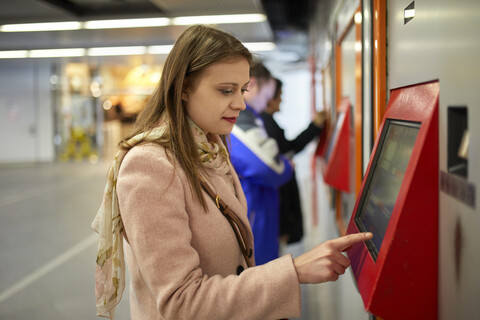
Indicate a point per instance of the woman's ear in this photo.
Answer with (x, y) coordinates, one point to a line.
(185, 96)
(185, 89)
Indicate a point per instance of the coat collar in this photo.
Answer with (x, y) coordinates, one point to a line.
(237, 203)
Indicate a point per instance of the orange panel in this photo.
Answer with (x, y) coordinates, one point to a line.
(338, 97)
(379, 64)
(313, 63)
(338, 74)
(358, 104)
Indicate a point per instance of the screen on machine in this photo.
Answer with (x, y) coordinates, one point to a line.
(384, 180)
(334, 137)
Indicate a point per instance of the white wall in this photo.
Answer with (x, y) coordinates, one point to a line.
(26, 113)
(442, 42)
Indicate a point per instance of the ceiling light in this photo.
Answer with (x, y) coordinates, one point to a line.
(127, 23)
(358, 46)
(45, 26)
(358, 17)
(160, 49)
(219, 19)
(54, 53)
(259, 46)
(112, 51)
(409, 13)
(13, 54)
(133, 23)
(116, 51)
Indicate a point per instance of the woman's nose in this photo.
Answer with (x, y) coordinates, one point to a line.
(238, 103)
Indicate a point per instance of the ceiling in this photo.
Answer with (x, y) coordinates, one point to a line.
(287, 22)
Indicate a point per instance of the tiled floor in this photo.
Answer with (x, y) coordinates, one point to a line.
(47, 247)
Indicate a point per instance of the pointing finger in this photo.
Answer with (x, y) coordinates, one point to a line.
(347, 241)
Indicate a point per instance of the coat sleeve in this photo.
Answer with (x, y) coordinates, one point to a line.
(285, 146)
(152, 199)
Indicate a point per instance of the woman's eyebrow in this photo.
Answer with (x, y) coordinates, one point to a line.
(234, 83)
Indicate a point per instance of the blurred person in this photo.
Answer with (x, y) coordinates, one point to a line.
(260, 166)
(291, 220)
(165, 194)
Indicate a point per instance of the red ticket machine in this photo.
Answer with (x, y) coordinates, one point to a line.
(397, 270)
(335, 156)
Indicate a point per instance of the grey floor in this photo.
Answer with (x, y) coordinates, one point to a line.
(47, 247)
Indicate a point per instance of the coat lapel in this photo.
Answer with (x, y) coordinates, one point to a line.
(238, 203)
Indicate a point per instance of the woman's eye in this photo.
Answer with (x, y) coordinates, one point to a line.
(227, 91)
(244, 90)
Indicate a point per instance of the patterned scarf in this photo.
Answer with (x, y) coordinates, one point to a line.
(110, 266)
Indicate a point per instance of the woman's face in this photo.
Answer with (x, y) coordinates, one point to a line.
(215, 98)
(265, 93)
(274, 103)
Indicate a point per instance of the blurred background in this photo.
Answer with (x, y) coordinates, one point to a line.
(75, 73)
(69, 92)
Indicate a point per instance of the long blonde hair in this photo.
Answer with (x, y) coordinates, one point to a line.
(198, 47)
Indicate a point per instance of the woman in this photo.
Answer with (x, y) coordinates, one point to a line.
(184, 257)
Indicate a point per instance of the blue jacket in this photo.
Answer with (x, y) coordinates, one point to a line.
(262, 170)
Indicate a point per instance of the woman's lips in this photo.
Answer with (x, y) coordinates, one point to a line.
(231, 119)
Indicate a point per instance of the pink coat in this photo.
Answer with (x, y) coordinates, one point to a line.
(183, 261)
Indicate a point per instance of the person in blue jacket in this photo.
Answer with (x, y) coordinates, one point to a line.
(260, 166)
(291, 217)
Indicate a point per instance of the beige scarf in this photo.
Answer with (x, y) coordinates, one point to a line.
(110, 267)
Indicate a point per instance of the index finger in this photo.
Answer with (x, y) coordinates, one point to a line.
(347, 241)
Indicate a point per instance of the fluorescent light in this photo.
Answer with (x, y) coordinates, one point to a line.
(112, 51)
(358, 17)
(53, 53)
(160, 49)
(45, 26)
(116, 51)
(134, 23)
(219, 19)
(259, 46)
(409, 13)
(127, 23)
(13, 54)
(358, 46)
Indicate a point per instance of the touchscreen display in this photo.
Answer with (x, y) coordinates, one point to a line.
(334, 136)
(385, 179)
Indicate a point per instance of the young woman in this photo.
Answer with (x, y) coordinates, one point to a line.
(187, 259)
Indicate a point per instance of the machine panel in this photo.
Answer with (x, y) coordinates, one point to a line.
(336, 153)
(397, 270)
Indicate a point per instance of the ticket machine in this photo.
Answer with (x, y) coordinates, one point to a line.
(396, 271)
(335, 155)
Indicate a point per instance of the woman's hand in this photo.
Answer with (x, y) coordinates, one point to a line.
(320, 118)
(326, 262)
